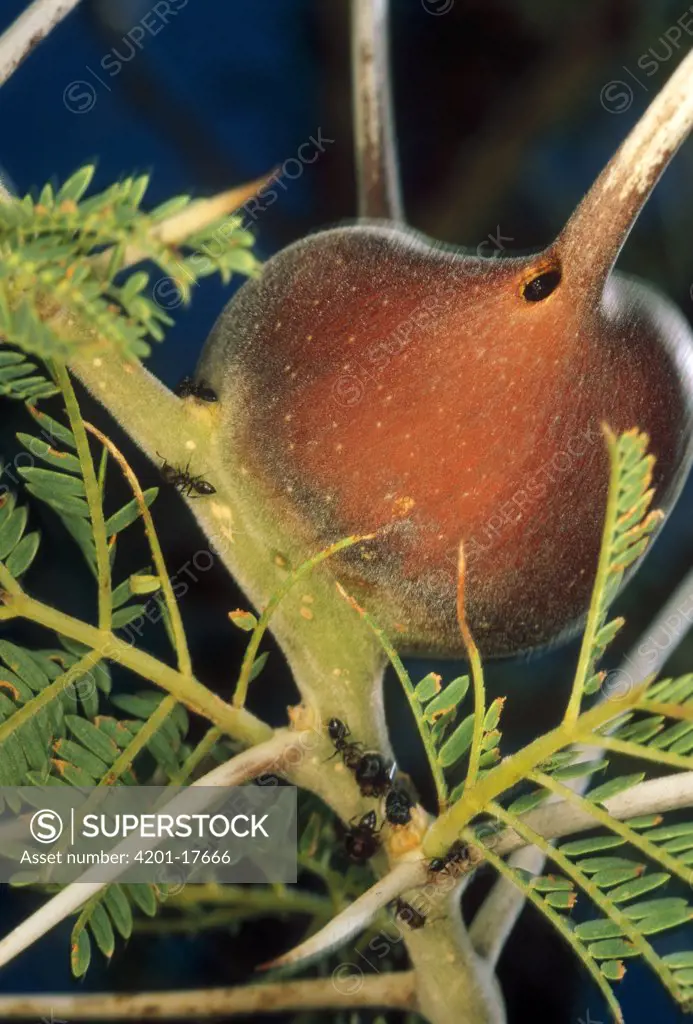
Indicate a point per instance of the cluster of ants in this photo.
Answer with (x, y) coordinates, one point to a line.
(374, 776)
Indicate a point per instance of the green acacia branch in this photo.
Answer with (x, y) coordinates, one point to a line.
(553, 915)
(637, 750)
(479, 688)
(682, 712)
(477, 672)
(156, 419)
(139, 742)
(187, 690)
(620, 828)
(595, 610)
(512, 770)
(600, 900)
(260, 629)
(180, 641)
(408, 687)
(27, 711)
(92, 493)
(197, 756)
(337, 664)
(9, 584)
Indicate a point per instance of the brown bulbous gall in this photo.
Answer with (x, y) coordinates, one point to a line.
(375, 381)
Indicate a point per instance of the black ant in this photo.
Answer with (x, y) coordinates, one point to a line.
(361, 840)
(189, 389)
(338, 732)
(457, 853)
(373, 774)
(266, 780)
(398, 805)
(410, 915)
(184, 481)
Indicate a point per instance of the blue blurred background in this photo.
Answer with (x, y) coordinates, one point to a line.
(506, 111)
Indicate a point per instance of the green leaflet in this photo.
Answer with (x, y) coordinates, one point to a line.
(92, 738)
(552, 883)
(561, 900)
(427, 688)
(662, 905)
(258, 665)
(661, 921)
(672, 691)
(23, 554)
(20, 662)
(118, 906)
(141, 705)
(243, 620)
(679, 960)
(445, 701)
(612, 949)
(64, 504)
(49, 483)
(144, 897)
(120, 520)
(614, 787)
(74, 774)
(611, 877)
(17, 549)
(592, 865)
(580, 769)
(41, 449)
(638, 887)
(102, 930)
(459, 743)
(80, 531)
(52, 431)
(124, 616)
(21, 379)
(643, 731)
(670, 832)
(579, 847)
(80, 953)
(678, 845)
(526, 803)
(12, 532)
(602, 928)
